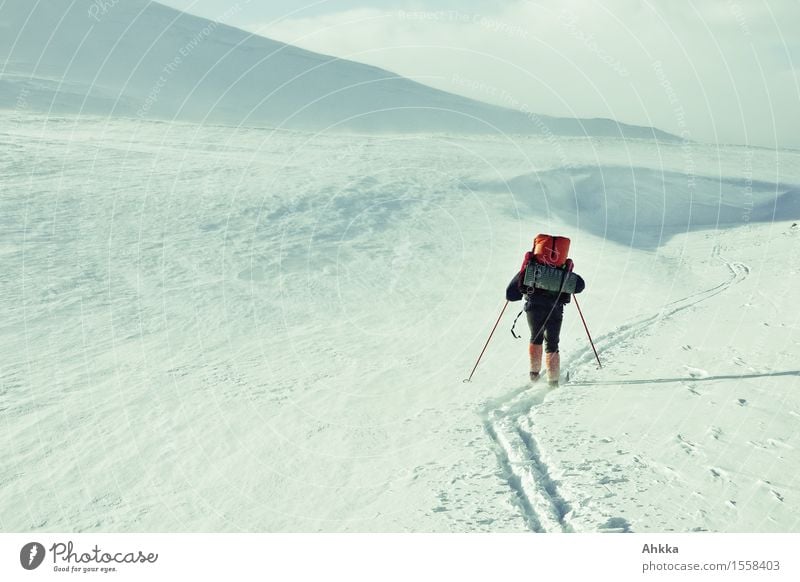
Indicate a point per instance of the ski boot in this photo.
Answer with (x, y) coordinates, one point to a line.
(535, 353)
(553, 363)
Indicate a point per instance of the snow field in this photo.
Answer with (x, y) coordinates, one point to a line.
(693, 422)
(219, 329)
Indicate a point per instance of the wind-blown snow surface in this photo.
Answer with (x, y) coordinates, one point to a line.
(215, 329)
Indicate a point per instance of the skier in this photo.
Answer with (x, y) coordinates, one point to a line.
(545, 308)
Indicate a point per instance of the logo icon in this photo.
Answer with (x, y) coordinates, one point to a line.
(32, 555)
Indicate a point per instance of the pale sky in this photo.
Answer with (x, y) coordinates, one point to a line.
(724, 71)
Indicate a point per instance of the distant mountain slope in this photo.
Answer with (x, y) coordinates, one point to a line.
(140, 58)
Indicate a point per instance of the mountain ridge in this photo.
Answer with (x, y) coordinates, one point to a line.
(144, 59)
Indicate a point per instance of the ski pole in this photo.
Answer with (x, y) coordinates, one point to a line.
(487, 343)
(587, 331)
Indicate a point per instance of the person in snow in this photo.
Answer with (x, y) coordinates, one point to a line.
(544, 309)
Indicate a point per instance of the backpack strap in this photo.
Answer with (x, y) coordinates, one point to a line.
(564, 273)
(528, 258)
(515, 323)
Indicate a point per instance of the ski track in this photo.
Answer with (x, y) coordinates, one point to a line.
(739, 271)
(508, 423)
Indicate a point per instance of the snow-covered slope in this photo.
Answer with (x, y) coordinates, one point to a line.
(140, 58)
(210, 329)
(694, 421)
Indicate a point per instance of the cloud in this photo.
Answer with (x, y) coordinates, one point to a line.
(714, 70)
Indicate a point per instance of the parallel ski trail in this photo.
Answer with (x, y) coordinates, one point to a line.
(739, 272)
(508, 423)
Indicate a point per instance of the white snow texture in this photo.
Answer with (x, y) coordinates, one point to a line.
(229, 328)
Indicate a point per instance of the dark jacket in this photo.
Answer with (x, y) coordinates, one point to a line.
(539, 297)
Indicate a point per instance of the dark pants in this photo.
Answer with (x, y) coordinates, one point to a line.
(545, 324)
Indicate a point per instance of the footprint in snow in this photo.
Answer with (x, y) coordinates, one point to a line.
(688, 446)
(696, 372)
(615, 525)
(777, 443)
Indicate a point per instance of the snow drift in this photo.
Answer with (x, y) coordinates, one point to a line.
(644, 206)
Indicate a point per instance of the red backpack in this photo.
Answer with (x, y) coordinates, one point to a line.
(547, 250)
